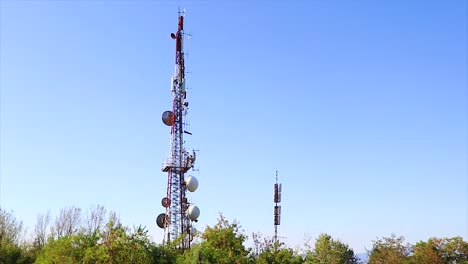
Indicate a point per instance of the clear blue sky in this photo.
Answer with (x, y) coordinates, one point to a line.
(360, 105)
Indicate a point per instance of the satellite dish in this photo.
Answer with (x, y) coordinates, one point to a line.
(162, 220)
(165, 202)
(173, 36)
(192, 183)
(168, 118)
(193, 212)
(193, 231)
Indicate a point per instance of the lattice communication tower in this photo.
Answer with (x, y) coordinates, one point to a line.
(277, 212)
(179, 215)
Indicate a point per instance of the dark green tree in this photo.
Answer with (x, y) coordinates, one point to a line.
(114, 243)
(222, 243)
(279, 254)
(62, 250)
(267, 251)
(12, 248)
(330, 251)
(455, 250)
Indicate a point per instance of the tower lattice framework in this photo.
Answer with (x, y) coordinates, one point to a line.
(177, 221)
(277, 211)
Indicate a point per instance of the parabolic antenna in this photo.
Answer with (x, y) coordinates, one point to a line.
(162, 220)
(165, 202)
(193, 233)
(192, 183)
(168, 118)
(193, 212)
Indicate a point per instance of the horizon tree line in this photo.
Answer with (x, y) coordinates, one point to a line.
(98, 236)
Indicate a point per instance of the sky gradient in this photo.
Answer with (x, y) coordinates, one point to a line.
(361, 107)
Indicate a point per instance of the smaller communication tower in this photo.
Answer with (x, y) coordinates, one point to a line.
(277, 200)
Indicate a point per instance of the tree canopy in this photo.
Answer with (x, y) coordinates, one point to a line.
(331, 251)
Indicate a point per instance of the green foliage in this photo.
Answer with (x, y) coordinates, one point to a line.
(62, 250)
(427, 253)
(440, 251)
(330, 251)
(72, 240)
(279, 254)
(168, 253)
(454, 250)
(113, 244)
(222, 243)
(390, 250)
(159, 255)
(10, 229)
(268, 251)
(433, 251)
(287, 256)
(121, 246)
(11, 248)
(9, 253)
(192, 256)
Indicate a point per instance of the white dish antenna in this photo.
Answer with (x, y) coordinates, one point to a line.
(192, 183)
(193, 212)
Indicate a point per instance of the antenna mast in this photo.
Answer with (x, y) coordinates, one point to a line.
(277, 213)
(177, 221)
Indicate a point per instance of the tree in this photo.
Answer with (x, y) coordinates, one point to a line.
(167, 254)
(10, 228)
(11, 231)
(279, 254)
(267, 251)
(65, 249)
(67, 222)
(261, 244)
(440, 251)
(389, 250)
(427, 252)
(113, 243)
(455, 250)
(330, 251)
(222, 243)
(95, 219)
(120, 245)
(40, 231)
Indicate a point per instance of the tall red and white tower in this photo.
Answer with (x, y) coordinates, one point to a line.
(179, 215)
